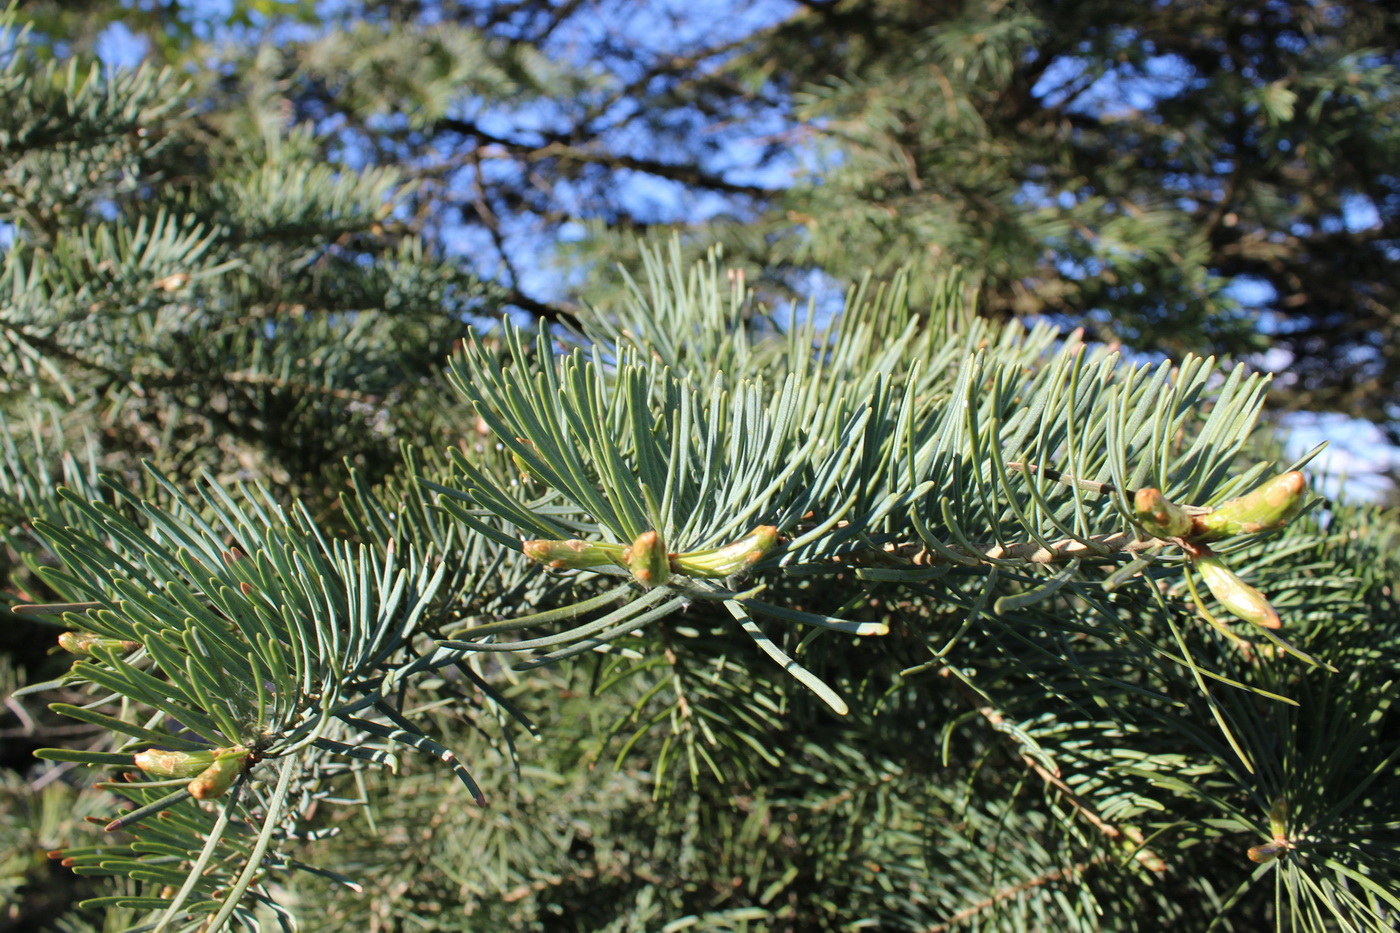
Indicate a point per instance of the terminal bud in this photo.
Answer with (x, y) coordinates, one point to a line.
(573, 554)
(1268, 507)
(159, 763)
(1267, 852)
(1278, 826)
(84, 642)
(730, 559)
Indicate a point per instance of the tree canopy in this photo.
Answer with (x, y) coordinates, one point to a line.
(1206, 176)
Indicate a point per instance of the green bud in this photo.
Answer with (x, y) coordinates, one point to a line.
(159, 763)
(1159, 516)
(84, 642)
(648, 560)
(730, 559)
(573, 554)
(1241, 599)
(1278, 825)
(1268, 507)
(219, 776)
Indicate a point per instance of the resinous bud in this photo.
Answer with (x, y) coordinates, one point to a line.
(1267, 852)
(1270, 506)
(1241, 599)
(572, 554)
(730, 559)
(648, 559)
(85, 642)
(160, 763)
(1278, 826)
(219, 776)
(1159, 516)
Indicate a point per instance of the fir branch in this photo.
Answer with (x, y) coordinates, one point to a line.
(559, 147)
(1052, 777)
(168, 377)
(1103, 546)
(1053, 876)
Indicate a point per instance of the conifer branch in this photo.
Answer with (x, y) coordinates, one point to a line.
(1053, 876)
(1053, 779)
(559, 146)
(1028, 552)
(715, 447)
(171, 378)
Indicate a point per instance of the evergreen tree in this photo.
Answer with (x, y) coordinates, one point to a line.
(907, 619)
(234, 237)
(1130, 167)
(1181, 177)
